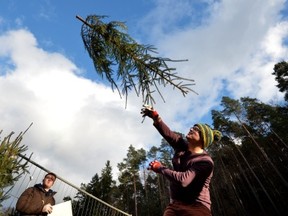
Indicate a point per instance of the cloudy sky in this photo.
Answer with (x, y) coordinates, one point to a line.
(47, 77)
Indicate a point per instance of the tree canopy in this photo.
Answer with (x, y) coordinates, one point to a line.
(281, 73)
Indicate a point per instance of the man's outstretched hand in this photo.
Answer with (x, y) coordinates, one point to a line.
(149, 111)
(155, 166)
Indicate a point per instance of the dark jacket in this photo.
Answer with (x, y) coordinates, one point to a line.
(33, 199)
(191, 174)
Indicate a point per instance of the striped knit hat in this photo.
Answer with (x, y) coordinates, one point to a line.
(208, 135)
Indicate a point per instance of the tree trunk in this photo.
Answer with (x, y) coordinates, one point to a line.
(135, 195)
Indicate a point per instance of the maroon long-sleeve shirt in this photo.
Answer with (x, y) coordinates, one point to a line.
(192, 172)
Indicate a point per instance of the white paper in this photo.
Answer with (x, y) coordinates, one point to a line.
(62, 209)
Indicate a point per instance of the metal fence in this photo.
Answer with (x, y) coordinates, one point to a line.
(83, 203)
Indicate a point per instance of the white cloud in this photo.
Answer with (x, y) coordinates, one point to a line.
(273, 44)
(234, 50)
(256, 77)
(77, 124)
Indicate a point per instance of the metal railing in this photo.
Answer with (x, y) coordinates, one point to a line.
(83, 203)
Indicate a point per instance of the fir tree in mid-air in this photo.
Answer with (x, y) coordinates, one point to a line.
(126, 64)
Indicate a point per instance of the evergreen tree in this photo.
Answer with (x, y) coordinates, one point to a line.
(249, 178)
(153, 200)
(130, 185)
(94, 186)
(12, 167)
(107, 183)
(281, 73)
(100, 187)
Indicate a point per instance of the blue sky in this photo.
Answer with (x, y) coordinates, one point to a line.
(47, 77)
(54, 25)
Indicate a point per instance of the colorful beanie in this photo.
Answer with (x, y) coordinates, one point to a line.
(208, 135)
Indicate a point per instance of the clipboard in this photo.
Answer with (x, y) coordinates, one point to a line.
(62, 209)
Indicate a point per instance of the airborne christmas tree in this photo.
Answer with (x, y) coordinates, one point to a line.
(126, 63)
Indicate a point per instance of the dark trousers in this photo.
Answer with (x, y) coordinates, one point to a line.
(180, 209)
